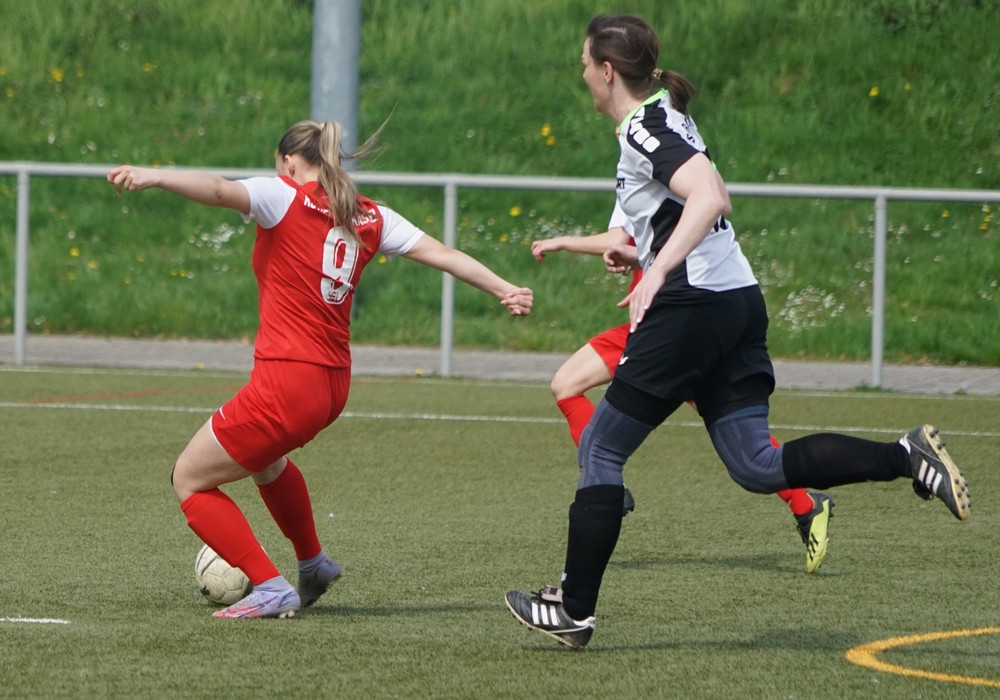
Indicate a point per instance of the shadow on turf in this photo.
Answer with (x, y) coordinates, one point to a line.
(782, 563)
(824, 639)
(334, 610)
(820, 639)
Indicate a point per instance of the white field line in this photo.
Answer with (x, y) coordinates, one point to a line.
(36, 620)
(114, 372)
(444, 417)
(461, 381)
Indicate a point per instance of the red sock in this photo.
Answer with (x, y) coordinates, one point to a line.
(287, 498)
(220, 524)
(578, 410)
(798, 500)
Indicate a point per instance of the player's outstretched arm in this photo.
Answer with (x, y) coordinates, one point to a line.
(431, 252)
(621, 258)
(196, 185)
(587, 245)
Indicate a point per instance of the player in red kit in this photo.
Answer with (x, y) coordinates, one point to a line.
(315, 234)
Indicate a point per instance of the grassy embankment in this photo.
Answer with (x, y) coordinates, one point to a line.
(888, 93)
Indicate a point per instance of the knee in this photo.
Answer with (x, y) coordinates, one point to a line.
(750, 458)
(752, 480)
(187, 477)
(757, 472)
(179, 480)
(561, 387)
(605, 446)
(270, 473)
(554, 388)
(598, 464)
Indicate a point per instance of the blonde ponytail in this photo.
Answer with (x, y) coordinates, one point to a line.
(334, 180)
(320, 144)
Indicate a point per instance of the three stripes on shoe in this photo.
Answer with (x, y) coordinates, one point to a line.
(544, 615)
(928, 476)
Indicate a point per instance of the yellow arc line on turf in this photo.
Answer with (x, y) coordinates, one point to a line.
(865, 655)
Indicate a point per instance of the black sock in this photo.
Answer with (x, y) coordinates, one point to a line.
(827, 459)
(595, 520)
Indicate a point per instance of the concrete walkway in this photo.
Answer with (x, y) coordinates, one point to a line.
(84, 351)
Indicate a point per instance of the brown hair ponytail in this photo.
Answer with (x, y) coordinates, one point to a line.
(680, 88)
(632, 48)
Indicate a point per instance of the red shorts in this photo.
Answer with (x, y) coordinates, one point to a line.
(281, 408)
(610, 344)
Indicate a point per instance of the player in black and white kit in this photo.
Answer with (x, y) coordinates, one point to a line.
(699, 330)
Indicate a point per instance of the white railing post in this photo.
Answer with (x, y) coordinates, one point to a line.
(878, 290)
(21, 269)
(447, 281)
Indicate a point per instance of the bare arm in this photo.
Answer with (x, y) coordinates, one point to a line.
(621, 258)
(431, 252)
(587, 245)
(705, 200)
(196, 185)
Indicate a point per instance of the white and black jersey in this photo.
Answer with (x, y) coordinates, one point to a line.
(655, 141)
(704, 337)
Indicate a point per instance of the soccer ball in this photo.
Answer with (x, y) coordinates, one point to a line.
(221, 583)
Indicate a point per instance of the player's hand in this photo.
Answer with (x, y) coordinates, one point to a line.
(641, 298)
(548, 245)
(131, 178)
(621, 259)
(519, 301)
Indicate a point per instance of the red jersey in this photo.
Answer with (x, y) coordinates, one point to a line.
(307, 269)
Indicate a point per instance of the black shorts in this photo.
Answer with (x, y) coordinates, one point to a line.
(710, 348)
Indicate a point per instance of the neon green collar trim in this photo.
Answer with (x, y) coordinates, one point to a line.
(655, 97)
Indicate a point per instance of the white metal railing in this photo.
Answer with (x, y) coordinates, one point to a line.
(450, 184)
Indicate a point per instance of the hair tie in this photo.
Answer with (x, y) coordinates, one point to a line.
(658, 74)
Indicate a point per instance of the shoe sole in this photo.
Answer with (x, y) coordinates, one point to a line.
(280, 616)
(530, 626)
(252, 611)
(958, 501)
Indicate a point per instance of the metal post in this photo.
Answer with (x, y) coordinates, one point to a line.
(335, 57)
(447, 281)
(878, 290)
(21, 269)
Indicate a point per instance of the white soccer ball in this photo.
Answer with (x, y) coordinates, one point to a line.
(221, 583)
